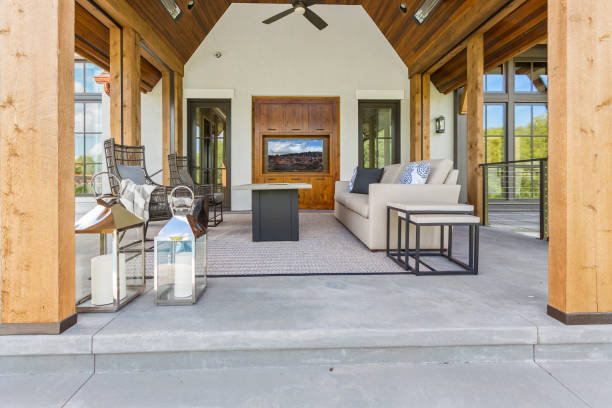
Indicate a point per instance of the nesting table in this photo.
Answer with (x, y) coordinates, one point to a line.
(445, 216)
(275, 210)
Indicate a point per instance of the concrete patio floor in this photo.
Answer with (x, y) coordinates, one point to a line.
(270, 341)
(555, 385)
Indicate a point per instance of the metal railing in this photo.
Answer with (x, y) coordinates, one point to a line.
(516, 193)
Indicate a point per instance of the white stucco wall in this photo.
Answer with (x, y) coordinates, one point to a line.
(442, 146)
(292, 58)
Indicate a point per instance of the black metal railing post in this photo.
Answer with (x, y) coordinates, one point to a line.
(485, 196)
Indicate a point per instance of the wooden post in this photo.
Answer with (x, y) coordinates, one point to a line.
(178, 114)
(580, 161)
(419, 117)
(167, 123)
(116, 117)
(475, 122)
(37, 166)
(131, 87)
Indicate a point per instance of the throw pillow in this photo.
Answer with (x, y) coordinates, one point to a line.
(364, 178)
(133, 173)
(352, 182)
(415, 173)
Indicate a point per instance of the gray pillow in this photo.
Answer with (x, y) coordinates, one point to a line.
(186, 177)
(133, 173)
(364, 178)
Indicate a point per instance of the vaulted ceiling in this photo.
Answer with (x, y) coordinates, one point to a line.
(421, 47)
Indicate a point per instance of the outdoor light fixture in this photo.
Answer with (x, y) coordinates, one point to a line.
(425, 10)
(116, 276)
(440, 124)
(172, 8)
(180, 255)
(403, 7)
(190, 4)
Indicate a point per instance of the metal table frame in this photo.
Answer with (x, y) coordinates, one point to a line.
(417, 253)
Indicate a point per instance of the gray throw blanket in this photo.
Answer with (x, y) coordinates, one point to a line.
(135, 198)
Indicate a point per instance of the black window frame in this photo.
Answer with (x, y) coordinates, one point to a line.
(395, 106)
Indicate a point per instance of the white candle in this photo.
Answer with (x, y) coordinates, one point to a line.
(183, 275)
(102, 279)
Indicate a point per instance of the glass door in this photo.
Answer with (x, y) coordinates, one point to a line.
(379, 141)
(209, 143)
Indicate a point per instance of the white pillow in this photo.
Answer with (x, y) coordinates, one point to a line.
(352, 182)
(415, 173)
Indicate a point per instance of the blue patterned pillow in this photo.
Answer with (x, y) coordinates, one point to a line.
(415, 173)
(352, 182)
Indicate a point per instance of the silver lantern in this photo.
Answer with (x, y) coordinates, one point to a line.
(116, 276)
(180, 255)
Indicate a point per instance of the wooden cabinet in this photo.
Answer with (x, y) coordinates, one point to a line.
(320, 117)
(272, 117)
(295, 117)
(298, 118)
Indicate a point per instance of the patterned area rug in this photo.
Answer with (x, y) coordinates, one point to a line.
(325, 247)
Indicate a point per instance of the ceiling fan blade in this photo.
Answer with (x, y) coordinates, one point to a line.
(309, 3)
(278, 16)
(315, 19)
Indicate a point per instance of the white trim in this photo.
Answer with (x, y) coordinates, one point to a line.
(394, 94)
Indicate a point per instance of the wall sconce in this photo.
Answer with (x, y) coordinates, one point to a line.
(440, 124)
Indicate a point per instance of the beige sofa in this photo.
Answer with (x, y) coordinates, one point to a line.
(365, 215)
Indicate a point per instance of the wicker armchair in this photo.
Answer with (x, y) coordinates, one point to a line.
(214, 193)
(131, 160)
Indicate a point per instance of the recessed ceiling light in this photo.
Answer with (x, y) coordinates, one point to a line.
(190, 4)
(172, 8)
(425, 10)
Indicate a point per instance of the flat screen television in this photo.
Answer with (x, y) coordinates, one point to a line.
(296, 154)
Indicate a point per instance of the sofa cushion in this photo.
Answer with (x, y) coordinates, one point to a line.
(439, 169)
(391, 174)
(364, 178)
(354, 202)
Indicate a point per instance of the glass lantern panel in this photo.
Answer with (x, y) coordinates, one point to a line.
(134, 260)
(174, 271)
(200, 264)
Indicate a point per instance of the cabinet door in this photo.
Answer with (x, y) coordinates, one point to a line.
(274, 179)
(294, 117)
(322, 198)
(303, 194)
(271, 117)
(320, 117)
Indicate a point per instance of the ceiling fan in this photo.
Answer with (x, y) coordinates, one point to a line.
(300, 7)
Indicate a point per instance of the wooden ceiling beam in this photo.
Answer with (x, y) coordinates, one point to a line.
(517, 32)
(126, 16)
(503, 13)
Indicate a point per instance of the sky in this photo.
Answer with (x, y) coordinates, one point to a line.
(288, 146)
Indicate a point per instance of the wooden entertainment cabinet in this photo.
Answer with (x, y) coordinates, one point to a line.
(299, 118)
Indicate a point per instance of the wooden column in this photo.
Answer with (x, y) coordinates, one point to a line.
(580, 161)
(178, 114)
(131, 87)
(419, 117)
(475, 122)
(115, 85)
(167, 123)
(37, 166)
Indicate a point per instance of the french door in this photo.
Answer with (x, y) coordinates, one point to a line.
(209, 143)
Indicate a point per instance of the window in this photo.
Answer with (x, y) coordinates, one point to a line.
(495, 132)
(494, 80)
(379, 143)
(88, 150)
(530, 77)
(516, 124)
